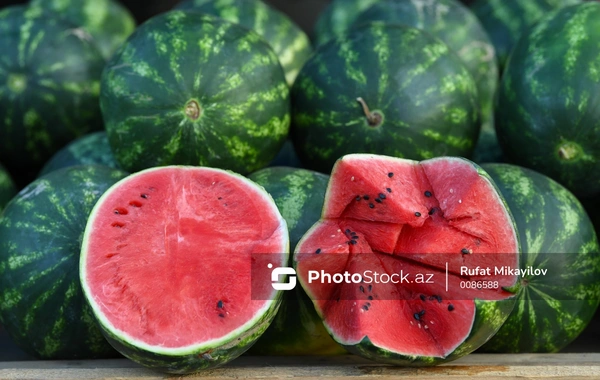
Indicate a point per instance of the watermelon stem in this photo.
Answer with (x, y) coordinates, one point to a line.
(374, 118)
(193, 110)
(569, 151)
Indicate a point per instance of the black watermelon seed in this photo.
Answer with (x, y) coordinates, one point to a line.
(366, 197)
(358, 198)
(390, 175)
(354, 237)
(421, 313)
(220, 304)
(318, 251)
(389, 190)
(353, 242)
(365, 308)
(428, 193)
(221, 315)
(417, 214)
(369, 304)
(417, 316)
(361, 288)
(353, 233)
(348, 231)
(378, 200)
(432, 211)
(145, 196)
(370, 298)
(371, 205)
(381, 196)
(370, 287)
(450, 307)
(464, 251)
(439, 299)
(422, 297)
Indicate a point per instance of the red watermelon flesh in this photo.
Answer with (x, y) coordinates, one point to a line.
(389, 215)
(169, 253)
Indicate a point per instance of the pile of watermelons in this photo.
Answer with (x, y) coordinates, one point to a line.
(165, 178)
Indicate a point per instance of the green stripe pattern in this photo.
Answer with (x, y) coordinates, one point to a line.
(337, 17)
(289, 42)
(7, 188)
(193, 89)
(548, 114)
(297, 329)
(49, 86)
(41, 303)
(454, 24)
(424, 95)
(92, 149)
(557, 235)
(107, 21)
(505, 21)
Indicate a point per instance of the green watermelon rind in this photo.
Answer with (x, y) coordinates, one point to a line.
(194, 357)
(489, 315)
(559, 237)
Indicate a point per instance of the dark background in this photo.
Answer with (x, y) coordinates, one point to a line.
(303, 12)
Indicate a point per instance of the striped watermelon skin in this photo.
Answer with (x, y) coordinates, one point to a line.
(286, 38)
(41, 302)
(107, 21)
(456, 25)
(297, 329)
(7, 188)
(192, 89)
(92, 149)
(557, 235)
(49, 87)
(506, 21)
(425, 98)
(337, 17)
(547, 111)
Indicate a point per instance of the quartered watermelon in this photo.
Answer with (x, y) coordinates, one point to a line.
(175, 265)
(418, 224)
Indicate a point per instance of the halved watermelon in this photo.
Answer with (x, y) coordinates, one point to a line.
(175, 264)
(418, 224)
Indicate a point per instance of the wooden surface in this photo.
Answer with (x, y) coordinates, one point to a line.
(477, 365)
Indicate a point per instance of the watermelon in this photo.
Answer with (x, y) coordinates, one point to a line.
(337, 18)
(7, 188)
(290, 43)
(422, 222)
(547, 114)
(557, 236)
(297, 329)
(50, 85)
(92, 149)
(505, 21)
(207, 238)
(41, 230)
(191, 89)
(107, 21)
(383, 89)
(454, 24)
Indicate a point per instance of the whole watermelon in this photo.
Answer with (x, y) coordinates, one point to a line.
(7, 188)
(547, 111)
(289, 42)
(107, 21)
(454, 24)
(297, 329)
(505, 21)
(193, 89)
(557, 236)
(337, 17)
(92, 149)
(383, 89)
(49, 87)
(41, 230)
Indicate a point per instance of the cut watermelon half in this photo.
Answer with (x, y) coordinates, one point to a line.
(401, 232)
(168, 263)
